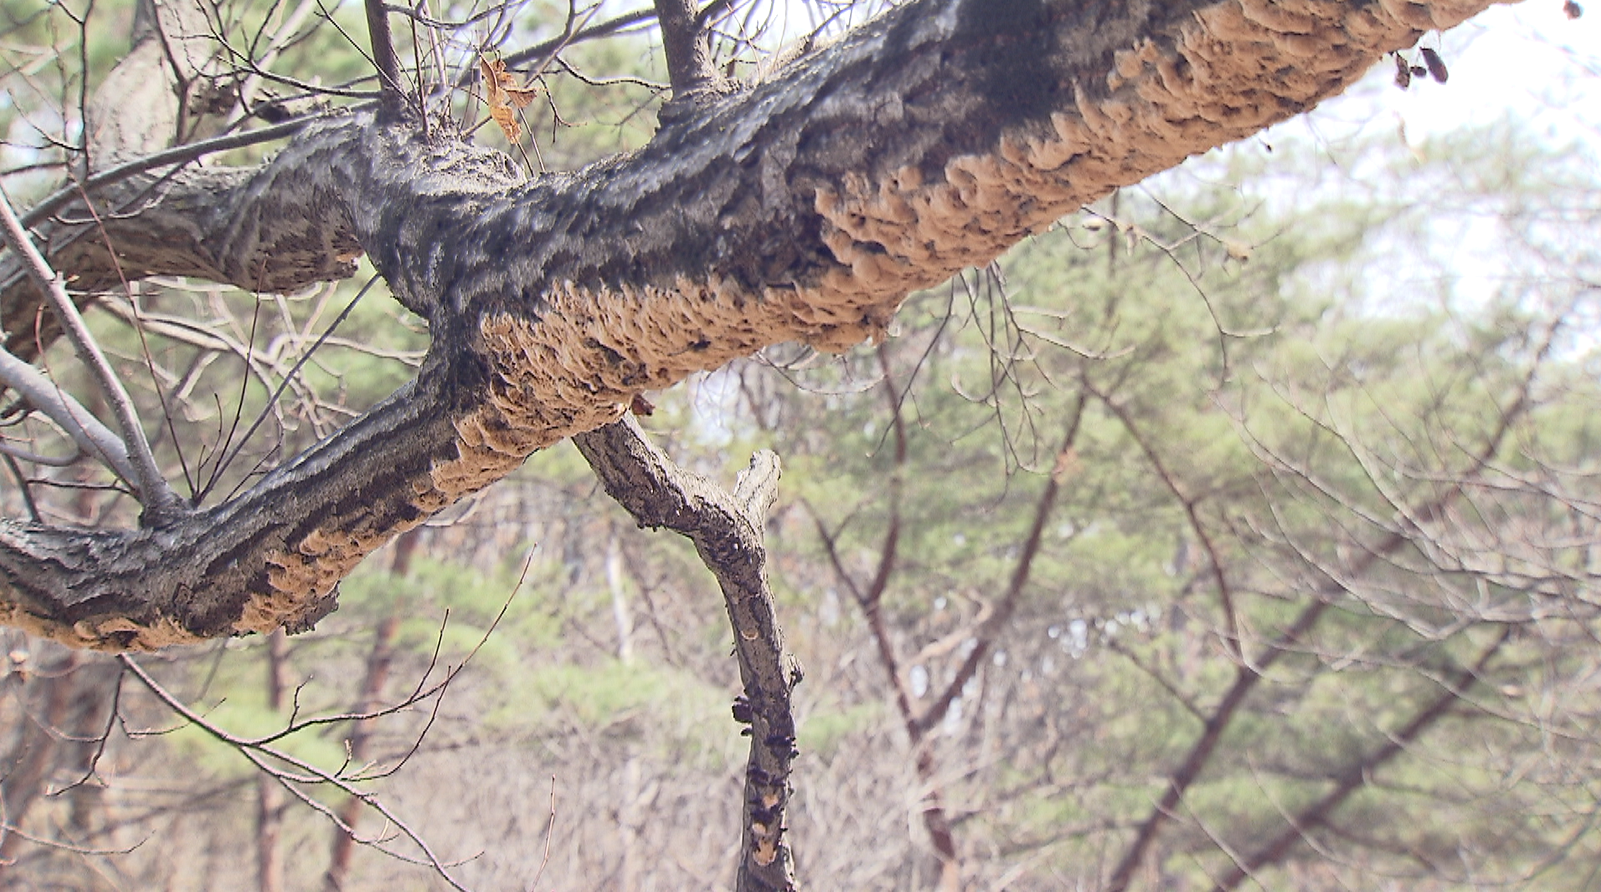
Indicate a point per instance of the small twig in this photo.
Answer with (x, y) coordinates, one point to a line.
(78, 423)
(154, 493)
(550, 829)
(49, 461)
(1191, 506)
(280, 40)
(167, 412)
(991, 628)
(383, 55)
(22, 487)
(178, 155)
(1355, 775)
(549, 48)
(307, 774)
(271, 401)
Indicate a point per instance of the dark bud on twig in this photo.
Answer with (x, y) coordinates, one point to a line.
(1437, 70)
(1403, 72)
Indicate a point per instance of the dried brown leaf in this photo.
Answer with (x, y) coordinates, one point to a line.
(507, 119)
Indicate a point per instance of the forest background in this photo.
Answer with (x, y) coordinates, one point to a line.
(1238, 532)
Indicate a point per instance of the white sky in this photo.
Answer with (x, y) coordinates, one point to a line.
(1528, 60)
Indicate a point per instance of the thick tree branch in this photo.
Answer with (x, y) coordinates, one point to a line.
(727, 532)
(804, 208)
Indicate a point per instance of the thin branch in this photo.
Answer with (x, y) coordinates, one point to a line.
(22, 487)
(1225, 592)
(308, 774)
(686, 42)
(78, 423)
(1246, 677)
(383, 55)
(1356, 775)
(936, 820)
(727, 532)
(550, 47)
(281, 40)
(178, 155)
(1249, 673)
(223, 463)
(158, 498)
(1020, 574)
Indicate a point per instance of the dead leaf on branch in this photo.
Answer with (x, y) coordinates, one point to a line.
(507, 119)
(505, 96)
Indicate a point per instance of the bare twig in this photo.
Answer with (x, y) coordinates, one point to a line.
(548, 49)
(303, 773)
(86, 431)
(183, 154)
(279, 41)
(1357, 774)
(1248, 673)
(358, 743)
(1191, 506)
(987, 633)
(223, 462)
(154, 493)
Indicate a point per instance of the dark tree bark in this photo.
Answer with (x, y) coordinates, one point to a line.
(803, 208)
(727, 530)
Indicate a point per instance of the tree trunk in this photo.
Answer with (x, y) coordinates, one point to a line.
(359, 742)
(270, 795)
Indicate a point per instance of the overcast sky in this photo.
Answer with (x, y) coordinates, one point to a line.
(1529, 60)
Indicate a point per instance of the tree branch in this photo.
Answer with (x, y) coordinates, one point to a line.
(1250, 672)
(804, 208)
(383, 56)
(727, 532)
(986, 634)
(1191, 506)
(297, 773)
(1355, 776)
(686, 42)
(78, 423)
(151, 487)
(183, 154)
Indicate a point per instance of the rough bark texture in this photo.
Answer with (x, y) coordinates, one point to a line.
(727, 531)
(804, 208)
